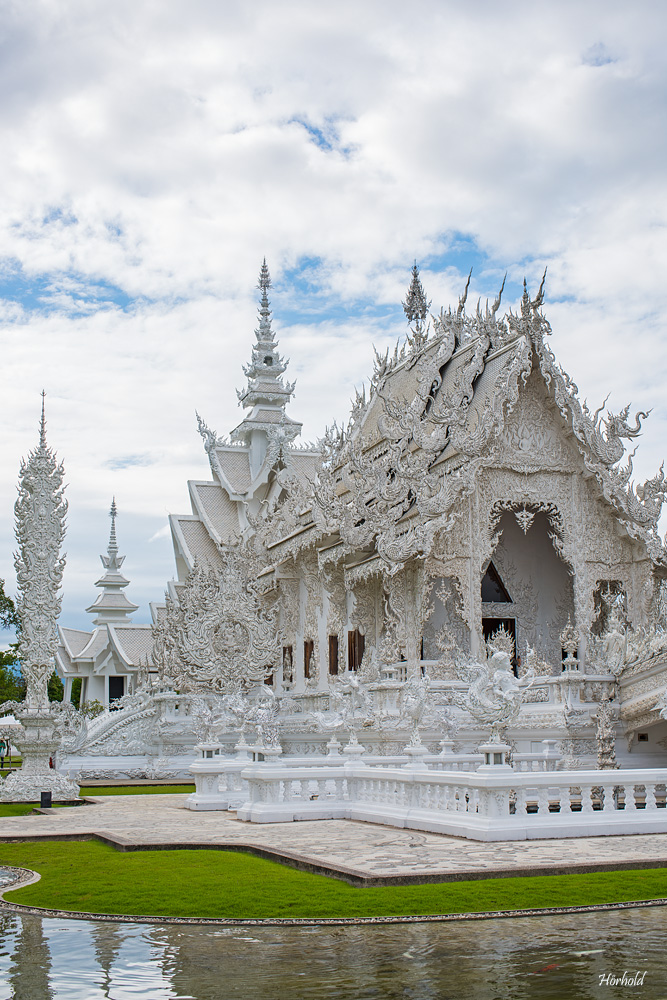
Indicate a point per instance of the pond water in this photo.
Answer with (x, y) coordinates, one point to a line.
(554, 958)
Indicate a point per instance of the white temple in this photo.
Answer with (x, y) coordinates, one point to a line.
(469, 554)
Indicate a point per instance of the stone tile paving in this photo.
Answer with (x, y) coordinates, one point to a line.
(367, 849)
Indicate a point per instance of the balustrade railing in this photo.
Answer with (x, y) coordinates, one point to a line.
(486, 806)
(220, 785)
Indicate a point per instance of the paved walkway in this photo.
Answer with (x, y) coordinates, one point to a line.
(362, 851)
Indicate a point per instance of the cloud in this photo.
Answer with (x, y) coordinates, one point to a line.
(153, 154)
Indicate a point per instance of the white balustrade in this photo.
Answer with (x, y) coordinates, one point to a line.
(220, 784)
(482, 806)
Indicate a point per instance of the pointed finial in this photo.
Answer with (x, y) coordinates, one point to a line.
(42, 424)
(264, 277)
(496, 304)
(416, 305)
(264, 332)
(525, 301)
(540, 293)
(462, 300)
(113, 513)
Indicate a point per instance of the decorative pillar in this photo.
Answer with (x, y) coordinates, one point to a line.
(40, 528)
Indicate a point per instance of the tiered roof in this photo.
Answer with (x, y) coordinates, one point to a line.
(112, 605)
(266, 395)
(247, 468)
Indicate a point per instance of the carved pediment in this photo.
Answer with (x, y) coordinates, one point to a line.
(533, 436)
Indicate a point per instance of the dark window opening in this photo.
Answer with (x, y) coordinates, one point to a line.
(308, 651)
(493, 588)
(116, 689)
(491, 625)
(355, 649)
(642, 737)
(287, 665)
(333, 654)
(268, 360)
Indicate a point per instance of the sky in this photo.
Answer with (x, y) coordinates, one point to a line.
(153, 153)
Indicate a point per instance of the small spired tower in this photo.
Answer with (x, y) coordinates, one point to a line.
(267, 428)
(40, 528)
(112, 606)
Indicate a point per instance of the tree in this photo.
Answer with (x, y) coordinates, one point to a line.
(12, 684)
(55, 688)
(75, 696)
(8, 615)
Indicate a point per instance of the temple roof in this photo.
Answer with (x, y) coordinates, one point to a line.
(436, 416)
(192, 540)
(133, 643)
(216, 510)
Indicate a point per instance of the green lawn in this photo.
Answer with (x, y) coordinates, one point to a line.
(138, 790)
(16, 808)
(23, 808)
(93, 877)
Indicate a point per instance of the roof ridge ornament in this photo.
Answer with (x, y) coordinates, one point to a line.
(416, 308)
(42, 424)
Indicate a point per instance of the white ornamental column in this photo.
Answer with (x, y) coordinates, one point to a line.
(40, 528)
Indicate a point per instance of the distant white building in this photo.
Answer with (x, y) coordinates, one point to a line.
(107, 659)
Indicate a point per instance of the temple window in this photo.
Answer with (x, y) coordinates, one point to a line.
(355, 649)
(308, 650)
(268, 360)
(494, 590)
(287, 665)
(333, 654)
(116, 689)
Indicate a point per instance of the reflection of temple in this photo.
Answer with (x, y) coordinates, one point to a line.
(471, 499)
(31, 960)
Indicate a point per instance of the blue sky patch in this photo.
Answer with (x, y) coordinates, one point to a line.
(75, 294)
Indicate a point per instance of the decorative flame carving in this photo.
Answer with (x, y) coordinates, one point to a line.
(40, 528)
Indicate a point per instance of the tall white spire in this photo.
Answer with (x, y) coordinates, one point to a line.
(266, 395)
(112, 607)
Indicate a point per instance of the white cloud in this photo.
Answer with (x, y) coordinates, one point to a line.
(154, 153)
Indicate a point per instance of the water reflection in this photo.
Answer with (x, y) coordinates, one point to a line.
(553, 958)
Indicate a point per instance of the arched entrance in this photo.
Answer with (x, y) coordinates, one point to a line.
(526, 586)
